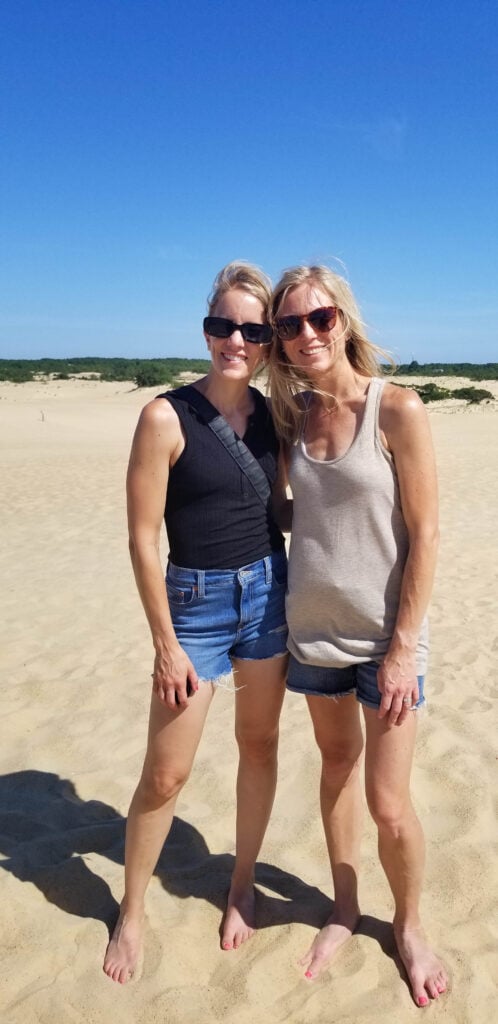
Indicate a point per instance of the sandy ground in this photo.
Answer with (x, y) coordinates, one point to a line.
(76, 660)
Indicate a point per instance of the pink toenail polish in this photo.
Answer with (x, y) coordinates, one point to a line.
(422, 1001)
(308, 974)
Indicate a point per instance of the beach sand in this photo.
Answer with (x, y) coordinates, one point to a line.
(76, 661)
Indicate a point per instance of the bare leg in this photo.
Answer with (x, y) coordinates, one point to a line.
(257, 711)
(389, 754)
(339, 737)
(172, 743)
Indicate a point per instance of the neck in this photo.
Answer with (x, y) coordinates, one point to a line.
(343, 384)
(228, 396)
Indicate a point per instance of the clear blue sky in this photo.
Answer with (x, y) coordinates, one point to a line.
(144, 143)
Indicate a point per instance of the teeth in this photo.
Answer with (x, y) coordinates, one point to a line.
(233, 359)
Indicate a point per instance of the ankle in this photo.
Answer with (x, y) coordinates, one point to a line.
(132, 910)
(344, 910)
(406, 925)
(242, 882)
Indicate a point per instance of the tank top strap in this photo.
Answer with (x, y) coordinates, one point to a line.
(370, 425)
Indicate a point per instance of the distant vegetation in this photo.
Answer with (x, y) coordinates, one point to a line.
(145, 372)
(434, 393)
(474, 371)
(156, 372)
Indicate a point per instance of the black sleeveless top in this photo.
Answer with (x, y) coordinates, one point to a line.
(214, 519)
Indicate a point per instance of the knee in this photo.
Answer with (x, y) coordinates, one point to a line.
(340, 766)
(391, 814)
(160, 784)
(257, 746)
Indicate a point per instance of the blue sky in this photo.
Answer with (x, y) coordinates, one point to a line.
(147, 142)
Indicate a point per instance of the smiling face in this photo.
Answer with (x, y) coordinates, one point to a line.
(234, 358)
(313, 350)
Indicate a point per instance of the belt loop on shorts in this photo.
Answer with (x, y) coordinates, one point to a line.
(268, 570)
(201, 581)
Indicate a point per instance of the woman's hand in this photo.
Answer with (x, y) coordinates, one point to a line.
(174, 678)
(398, 684)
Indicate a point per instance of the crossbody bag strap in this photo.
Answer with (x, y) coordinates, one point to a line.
(233, 444)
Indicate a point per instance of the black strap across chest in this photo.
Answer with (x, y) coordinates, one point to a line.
(229, 439)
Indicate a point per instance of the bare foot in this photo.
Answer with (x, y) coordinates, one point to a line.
(426, 972)
(239, 921)
(124, 948)
(335, 932)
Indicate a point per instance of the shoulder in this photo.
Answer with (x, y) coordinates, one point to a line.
(400, 406)
(158, 412)
(158, 425)
(403, 421)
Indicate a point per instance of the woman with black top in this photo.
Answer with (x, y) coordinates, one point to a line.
(223, 603)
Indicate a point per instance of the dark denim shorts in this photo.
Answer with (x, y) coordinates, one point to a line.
(220, 614)
(361, 679)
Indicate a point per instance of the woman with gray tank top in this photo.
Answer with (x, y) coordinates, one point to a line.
(361, 469)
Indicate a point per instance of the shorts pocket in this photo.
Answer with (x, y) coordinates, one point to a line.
(180, 596)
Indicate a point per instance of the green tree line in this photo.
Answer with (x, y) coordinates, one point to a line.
(144, 372)
(156, 372)
(473, 371)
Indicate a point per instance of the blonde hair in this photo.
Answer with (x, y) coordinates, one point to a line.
(286, 381)
(243, 276)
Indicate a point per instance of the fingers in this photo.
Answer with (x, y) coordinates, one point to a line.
(176, 693)
(192, 680)
(397, 706)
(186, 689)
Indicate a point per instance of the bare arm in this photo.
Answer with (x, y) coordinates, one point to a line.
(157, 442)
(405, 425)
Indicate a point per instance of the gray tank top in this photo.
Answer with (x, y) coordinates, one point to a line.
(348, 549)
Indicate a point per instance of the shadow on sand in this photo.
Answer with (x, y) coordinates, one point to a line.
(48, 833)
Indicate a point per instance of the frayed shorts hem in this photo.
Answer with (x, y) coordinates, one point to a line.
(359, 679)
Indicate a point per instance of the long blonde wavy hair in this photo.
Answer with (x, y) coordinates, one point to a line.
(287, 381)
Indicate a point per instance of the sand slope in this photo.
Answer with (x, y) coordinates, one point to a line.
(76, 658)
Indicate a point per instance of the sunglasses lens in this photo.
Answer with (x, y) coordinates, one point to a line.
(323, 319)
(217, 326)
(288, 327)
(258, 334)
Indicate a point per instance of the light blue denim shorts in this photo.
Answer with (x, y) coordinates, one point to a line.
(220, 614)
(361, 679)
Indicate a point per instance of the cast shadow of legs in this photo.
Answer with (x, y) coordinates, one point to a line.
(48, 834)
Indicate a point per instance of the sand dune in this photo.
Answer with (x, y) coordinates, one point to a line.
(76, 660)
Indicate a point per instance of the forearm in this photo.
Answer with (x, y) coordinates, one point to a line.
(151, 586)
(416, 588)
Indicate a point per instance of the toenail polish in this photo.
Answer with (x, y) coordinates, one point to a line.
(308, 974)
(423, 1001)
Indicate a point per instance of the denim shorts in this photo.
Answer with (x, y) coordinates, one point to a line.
(220, 614)
(361, 679)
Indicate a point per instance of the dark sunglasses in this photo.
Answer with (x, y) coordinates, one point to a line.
(322, 320)
(219, 327)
